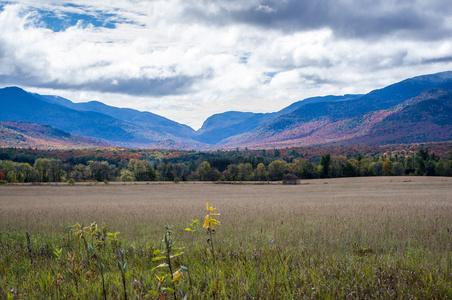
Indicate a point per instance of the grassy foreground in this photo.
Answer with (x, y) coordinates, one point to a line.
(386, 237)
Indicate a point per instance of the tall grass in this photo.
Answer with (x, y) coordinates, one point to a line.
(366, 238)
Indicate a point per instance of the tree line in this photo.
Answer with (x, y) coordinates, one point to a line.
(209, 167)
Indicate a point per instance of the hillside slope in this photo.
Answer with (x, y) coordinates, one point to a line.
(425, 118)
(219, 127)
(149, 120)
(309, 124)
(19, 105)
(394, 114)
(22, 134)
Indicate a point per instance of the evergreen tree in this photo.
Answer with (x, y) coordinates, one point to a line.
(325, 162)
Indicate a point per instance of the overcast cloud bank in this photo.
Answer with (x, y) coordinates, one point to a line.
(188, 59)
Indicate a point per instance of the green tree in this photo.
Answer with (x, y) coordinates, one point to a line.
(410, 165)
(303, 168)
(151, 172)
(349, 170)
(7, 165)
(376, 168)
(325, 162)
(101, 170)
(245, 172)
(193, 176)
(80, 173)
(363, 169)
(165, 172)
(423, 154)
(141, 170)
(56, 171)
(127, 175)
(11, 176)
(448, 168)
(354, 167)
(440, 168)
(232, 173)
(42, 167)
(337, 166)
(421, 159)
(20, 177)
(277, 169)
(181, 171)
(398, 169)
(204, 171)
(216, 175)
(430, 168)
(29, 174)
(261, 172)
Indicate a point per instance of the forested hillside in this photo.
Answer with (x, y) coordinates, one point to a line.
(115, 164)
(415, 110)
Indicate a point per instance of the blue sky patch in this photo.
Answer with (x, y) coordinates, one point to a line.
(269, 76)
(61, 21)
(245, 57)
(60, 17)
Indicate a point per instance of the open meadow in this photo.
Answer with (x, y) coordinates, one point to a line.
(369, 237)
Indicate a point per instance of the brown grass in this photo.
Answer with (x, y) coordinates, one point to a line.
(385, 237)
(333, 211)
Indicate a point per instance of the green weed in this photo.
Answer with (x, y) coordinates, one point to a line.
(312, 253)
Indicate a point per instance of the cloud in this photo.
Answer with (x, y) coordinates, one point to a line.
(346, 18)
(444, 59)
(87, 58)
(188, 59)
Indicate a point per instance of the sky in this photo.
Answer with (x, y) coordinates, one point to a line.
(189, 59)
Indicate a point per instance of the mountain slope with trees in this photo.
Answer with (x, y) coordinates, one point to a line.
(219, 127)
(149, 120)
(348, 122)
(19, 105)
(22, 134)
(393, 114)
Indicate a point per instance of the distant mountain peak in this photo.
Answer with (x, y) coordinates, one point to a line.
(321, 120)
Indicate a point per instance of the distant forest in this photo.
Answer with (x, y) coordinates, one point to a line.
(118, 164)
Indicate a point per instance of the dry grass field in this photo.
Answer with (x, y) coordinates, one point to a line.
(344, 204)
(384, 237)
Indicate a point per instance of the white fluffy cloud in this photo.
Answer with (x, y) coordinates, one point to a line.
(188, 59)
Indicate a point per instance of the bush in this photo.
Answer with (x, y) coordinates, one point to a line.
(71, 182)
(291, 179)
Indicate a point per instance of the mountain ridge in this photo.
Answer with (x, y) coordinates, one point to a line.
(247, 121)
(139, 118)
(23, 134)
(326, 120)
(19, 105)
(372, 128)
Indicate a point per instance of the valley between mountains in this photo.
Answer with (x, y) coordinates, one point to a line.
(415, 110)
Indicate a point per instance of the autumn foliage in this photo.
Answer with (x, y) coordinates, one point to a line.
(119, 164)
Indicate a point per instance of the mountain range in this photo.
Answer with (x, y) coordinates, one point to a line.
(23, 134)
(415, 110)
